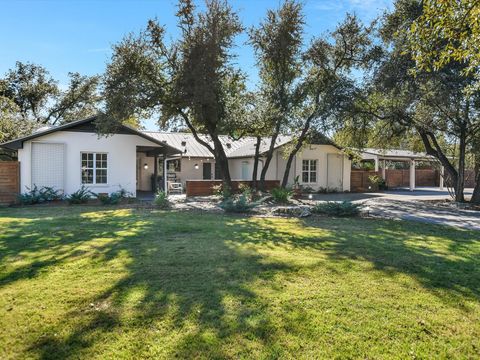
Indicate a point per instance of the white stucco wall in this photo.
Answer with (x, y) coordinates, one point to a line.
(320, 153)
(122, 159)
(124, 162)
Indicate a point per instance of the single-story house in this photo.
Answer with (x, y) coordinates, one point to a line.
(71, 155)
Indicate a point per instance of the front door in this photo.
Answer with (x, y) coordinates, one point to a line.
(335, 172)
(207, 171)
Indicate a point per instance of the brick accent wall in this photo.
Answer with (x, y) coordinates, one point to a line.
(9, 182)
(205, 187)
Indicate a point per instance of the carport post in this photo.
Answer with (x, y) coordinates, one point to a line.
(412, 174)
(383, 169)
(376, 163)
(442, 174)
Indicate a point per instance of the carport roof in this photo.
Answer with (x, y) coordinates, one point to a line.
(394, 154)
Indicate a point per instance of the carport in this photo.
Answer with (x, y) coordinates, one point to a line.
(382, 156)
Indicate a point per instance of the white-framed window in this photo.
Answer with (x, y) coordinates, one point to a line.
(309, 171)
(94, 168)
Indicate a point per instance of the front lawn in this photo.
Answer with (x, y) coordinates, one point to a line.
(85, 282)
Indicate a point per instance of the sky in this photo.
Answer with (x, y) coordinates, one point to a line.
(77, 35)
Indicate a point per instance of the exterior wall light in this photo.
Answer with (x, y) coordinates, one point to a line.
(196, 166)
(145, 166)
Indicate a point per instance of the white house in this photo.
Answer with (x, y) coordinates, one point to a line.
(69, 156)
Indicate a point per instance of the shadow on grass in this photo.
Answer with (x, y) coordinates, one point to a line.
(194, 271)
(440, 258)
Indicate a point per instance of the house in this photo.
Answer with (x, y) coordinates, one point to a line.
(71, 155)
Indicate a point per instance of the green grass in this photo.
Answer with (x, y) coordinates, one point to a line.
(91, 282)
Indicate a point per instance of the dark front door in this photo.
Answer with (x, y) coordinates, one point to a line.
(207, 171)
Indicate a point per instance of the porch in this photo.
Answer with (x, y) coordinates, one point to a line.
(152, 175)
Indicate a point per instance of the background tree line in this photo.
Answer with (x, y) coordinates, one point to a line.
(410, 79)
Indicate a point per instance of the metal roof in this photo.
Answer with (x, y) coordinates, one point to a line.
(395, 154)
(244, 147)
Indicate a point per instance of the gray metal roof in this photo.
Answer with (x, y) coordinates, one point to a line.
(395, 153)
(245, 147)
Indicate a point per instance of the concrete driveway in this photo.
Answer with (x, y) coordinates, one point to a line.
(423, 205)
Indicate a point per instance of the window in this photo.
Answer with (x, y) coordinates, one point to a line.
(309, 171)
(174, 165)
(94, 168)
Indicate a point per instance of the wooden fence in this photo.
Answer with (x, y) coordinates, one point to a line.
(9, 182)
(205, 187)
(394, 178)
(359, 180)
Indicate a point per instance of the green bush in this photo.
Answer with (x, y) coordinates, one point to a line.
(246, 190)
(378, 182)
(37, 195)
(341, 209)
(81, 196)
(113, 198)
(161, 200)
(219, 190)
(281, 195)
(241, 204)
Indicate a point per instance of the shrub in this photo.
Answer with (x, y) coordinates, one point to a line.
(80, 196)
(113, 198)
(48, 193)
(239, 205)
(378, 182)
(324, 190)
(161, 200)
(281, 195)
(341, 209)
(219, 190)
(308, 190)
(37, 195)
(246, 190)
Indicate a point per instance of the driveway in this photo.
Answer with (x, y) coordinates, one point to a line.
(424, 204)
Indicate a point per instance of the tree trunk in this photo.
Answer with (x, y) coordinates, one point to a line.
(255, 163)
(217, 150)
(436, 151)
(459, 193)
(476, 191)
(222, 160)
(295, 150)
(269, 156)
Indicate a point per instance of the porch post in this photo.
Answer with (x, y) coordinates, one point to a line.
(442, 174)
(383, 169)
(165, 183)
(155, 173)
(412, 174)
(376, 163)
